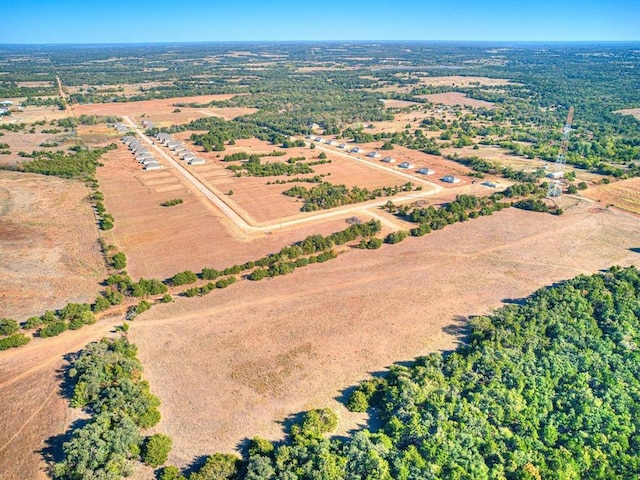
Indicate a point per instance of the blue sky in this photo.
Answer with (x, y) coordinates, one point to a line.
(118, 21)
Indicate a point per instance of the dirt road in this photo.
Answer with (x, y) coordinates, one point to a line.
(248, 226)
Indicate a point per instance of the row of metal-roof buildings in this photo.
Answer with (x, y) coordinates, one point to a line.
(179, 149)
(142, 155)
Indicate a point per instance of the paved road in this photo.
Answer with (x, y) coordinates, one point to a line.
(249, 227)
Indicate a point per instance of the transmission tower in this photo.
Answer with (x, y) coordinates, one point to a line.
(555, 185)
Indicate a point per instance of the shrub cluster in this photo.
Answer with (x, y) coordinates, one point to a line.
(106, 378)
(327, 195)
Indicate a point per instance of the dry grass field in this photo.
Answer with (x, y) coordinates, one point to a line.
(161, 241)
(161, 111)
(441, 165)
(624, 194)
(631, 111)
(238, 363)
(48, 239)
(455, 98)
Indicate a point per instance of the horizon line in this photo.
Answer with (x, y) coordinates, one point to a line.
(209, 42)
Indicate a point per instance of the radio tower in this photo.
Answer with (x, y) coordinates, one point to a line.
(555, 187)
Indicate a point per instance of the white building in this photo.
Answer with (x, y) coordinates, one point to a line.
(555, 175)
(196, 161)
(405, 165)
(450, 179)
(426, 171)
(374, 155)
(152, 166)
(356, 150)
(389, 160)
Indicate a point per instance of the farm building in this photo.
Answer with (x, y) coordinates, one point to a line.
(180, 150)
(140, 158)
(318, 139)
(147, 161)
(6, 103)
(172, 144)
(152, 166)
(389, 160)
(374, 155)
(450, 179)
(329, 142)
(555, 175)
(121, 127)
(489, 184)
(196, 161)
(188, 157)
(405, 165)
(426, 171)
(184, 153)
(356, 150)
(342, 145)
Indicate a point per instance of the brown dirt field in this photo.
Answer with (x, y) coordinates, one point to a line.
(32, 114)
(49, 244)
(158, 111)
(237, 363)
(161, 241)
(34, 84)
(400, 121)
(459, 81)
(265, 204)
(453, 80)
(630, 111)
(398, 103)
(456, 98)
(624, 194)
(28, 142)
(441, 165)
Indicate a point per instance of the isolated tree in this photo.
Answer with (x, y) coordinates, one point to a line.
(156, 449)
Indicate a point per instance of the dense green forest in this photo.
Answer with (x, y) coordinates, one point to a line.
(548, 388)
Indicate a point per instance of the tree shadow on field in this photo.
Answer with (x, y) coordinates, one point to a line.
(460, 329)
(195, 465)
(290, 421)
(52, 452)
(514, 301)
